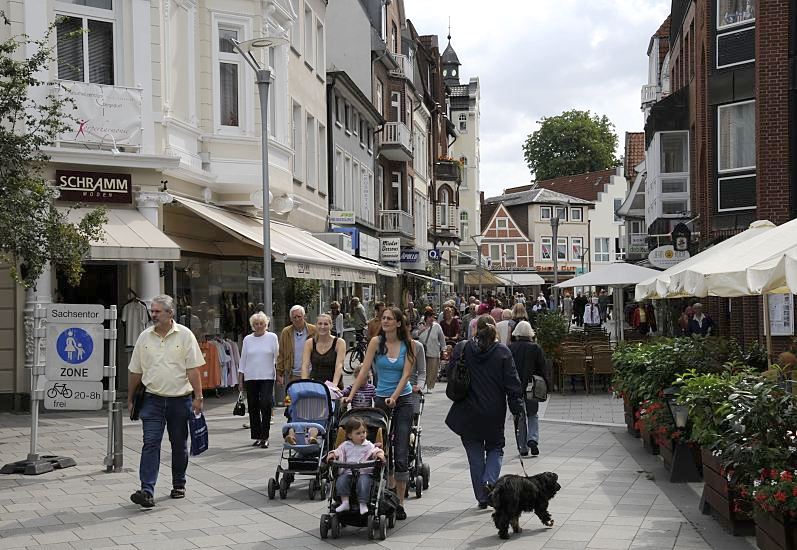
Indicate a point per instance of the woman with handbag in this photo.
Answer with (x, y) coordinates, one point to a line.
(430, 334)
(529, 361)
(480, 417)
(256, 373)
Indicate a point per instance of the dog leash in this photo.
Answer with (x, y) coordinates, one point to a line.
(523, 467)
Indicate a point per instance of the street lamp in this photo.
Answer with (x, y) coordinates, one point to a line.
(477, 239)
(683, 467)
(247, 50)
(555, 246)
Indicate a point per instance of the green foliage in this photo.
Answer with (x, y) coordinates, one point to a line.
(32, 231)
(305, 292)
(571, 143)
(551, 329)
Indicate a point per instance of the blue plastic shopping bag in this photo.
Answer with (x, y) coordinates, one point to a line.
(199, 433)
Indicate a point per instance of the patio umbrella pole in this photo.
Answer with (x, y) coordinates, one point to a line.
(767, 330)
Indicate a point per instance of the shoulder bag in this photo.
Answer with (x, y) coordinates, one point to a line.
(459, 378)
(537, 388)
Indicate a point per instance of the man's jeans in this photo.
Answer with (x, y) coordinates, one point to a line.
(484, 459)
(527, 427)
(158, 413)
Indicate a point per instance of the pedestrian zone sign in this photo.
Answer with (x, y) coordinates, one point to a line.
(75, 348)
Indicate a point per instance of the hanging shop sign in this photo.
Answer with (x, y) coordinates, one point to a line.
(666, 256)
(390, 249)
(369, 247)
(94, 186)
(411, 258)
(341, 217)
(638, 244)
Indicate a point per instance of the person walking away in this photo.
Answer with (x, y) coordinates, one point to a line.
(497, 312)
(337, 319)
(700, 323)
(323, 354)
(430, 334)
(579, 305)
(479, 418)
(291, 346)
(504, 327)
(592, 314)
(165, 359)
(256, 373)
(603, 305)
(567, 309)
(392, 355)
(529, 360)
(470, 314)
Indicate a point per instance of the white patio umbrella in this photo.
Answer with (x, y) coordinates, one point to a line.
(615, 275)
(658, 285)
(774, 276)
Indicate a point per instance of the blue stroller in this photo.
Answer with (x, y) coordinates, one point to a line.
(311, 418)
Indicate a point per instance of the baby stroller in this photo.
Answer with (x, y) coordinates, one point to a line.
(445, 358)
(311, 407)
(382, 502)
(419, 472)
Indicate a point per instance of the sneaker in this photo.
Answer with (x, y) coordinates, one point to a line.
(400, 513)
(143, 499)
(535, 451)
(264, 444)
(246, 426)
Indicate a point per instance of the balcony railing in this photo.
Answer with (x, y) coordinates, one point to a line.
(396, 144)
(650, 93)
(449, 170)
(397, 221)
(405, 67)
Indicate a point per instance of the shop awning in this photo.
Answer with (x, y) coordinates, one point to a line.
(129, 237)
(484, 278)
(523, 279)
(618, 274)
(383, 270)
(304, 256)
(427, 278)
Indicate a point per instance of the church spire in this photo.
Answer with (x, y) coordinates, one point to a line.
(450, 62)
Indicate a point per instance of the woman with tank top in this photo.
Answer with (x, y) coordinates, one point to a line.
(392, 356)
(323, 354)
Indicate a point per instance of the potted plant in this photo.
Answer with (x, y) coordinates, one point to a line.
(551, 329)
(775, 497)
(649, 417)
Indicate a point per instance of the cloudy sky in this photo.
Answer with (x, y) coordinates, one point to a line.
(537, 58)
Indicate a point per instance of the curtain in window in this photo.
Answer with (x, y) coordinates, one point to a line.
(737, 136)
(100, 52)
(70, 48)
(228, 84)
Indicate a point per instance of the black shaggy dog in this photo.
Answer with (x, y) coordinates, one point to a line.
(513, 495)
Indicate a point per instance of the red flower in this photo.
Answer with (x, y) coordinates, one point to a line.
(760, 497)
(786, 475)
(780, 496)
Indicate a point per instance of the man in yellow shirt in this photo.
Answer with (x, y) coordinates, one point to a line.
(165, 360)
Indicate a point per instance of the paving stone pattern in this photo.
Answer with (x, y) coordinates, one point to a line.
(607, 501)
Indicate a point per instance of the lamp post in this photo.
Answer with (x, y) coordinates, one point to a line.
(555, 246)
(477, 239)
(683, 467)
(247, 50)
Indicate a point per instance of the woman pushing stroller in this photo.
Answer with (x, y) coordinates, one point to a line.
(392, 355)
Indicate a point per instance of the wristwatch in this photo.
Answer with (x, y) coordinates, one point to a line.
(200, 397)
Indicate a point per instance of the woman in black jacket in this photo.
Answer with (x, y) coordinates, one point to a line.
(479, 419)
(529, 360)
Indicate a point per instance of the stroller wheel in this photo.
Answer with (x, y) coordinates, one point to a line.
(335, 527)
(323, 488)
(311, 489)
(371, 527)
(284, 487)
(382, 527)
(418, 487)
(272, 488)
(425, 474)
(324, 527)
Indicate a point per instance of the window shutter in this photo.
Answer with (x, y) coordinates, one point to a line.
(100, 52)
(452, 216)
(70, 48)
(438, 215)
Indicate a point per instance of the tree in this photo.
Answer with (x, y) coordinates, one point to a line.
(32, 231)
(571, 143)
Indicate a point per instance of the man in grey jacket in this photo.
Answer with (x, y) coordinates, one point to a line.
(430, 334)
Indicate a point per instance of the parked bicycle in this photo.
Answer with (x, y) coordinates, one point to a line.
(355, 354)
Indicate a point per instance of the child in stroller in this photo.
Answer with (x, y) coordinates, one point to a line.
(355, 450)
(373, 506)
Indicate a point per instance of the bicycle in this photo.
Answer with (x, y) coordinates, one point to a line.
(355, 354)
(59, 389)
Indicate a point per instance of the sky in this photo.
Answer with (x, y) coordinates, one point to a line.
(538, 58)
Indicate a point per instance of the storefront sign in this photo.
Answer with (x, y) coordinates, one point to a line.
(781, 315)
(412, 258)
(638, 244)
(390, 249)
(666, 256)
(434, 254)
(94, 186)
(369, 247)
(341, 217)
(107, 115)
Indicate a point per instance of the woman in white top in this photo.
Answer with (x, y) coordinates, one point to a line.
(256, 372)
(504, 327)
(430, 334)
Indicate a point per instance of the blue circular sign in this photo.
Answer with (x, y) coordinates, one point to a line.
(74, 345)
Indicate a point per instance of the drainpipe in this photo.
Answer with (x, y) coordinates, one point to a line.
(331, 144)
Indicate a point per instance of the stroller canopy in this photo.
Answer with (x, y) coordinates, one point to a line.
(310, 402)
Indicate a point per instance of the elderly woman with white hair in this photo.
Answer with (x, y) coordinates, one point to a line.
(257, 372)
(529, 360)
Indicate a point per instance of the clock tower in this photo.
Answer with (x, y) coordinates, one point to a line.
(450, 63)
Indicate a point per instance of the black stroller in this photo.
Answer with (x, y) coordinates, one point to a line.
(311, 410)
(419, 472)
(382, 502)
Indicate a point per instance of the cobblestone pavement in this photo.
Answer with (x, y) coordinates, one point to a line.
(610, 498)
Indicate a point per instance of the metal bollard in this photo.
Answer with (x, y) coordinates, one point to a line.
(118, 440)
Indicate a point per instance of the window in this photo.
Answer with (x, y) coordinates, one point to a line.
(347, 203)
(444, 207)
(576, 215)
(380, 94)
(463, 122)
(617, 204)
(338, 197)
(297, 141)
(509, 254)
(734, 12)
(347, 117)
(311, 155)
(395, 190)
(673, 208)
(495, 253)
(355, 121)
(464, 173)
(85, 45)
(319, 53)
(545, 248)
(309, 27)
(395, 107)
(601, 253)
(736, 193)
(361, 132)
(576, 248)
(394, 38)
(339, 110)
(295, 31)
(545, 212)
(323, 184)
(669, 185)
(463, 226)
(408, 111)
(674, 152)
(561, 213)
(384, 22)
(736, 136)
(561, 248)
(501, 223)
(230, 77)
(636, 227)
(619, 251)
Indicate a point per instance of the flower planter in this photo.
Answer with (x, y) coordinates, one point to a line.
(648, 441)
(718, 499)
(681, 460)
(774, 532)
(630, 416)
